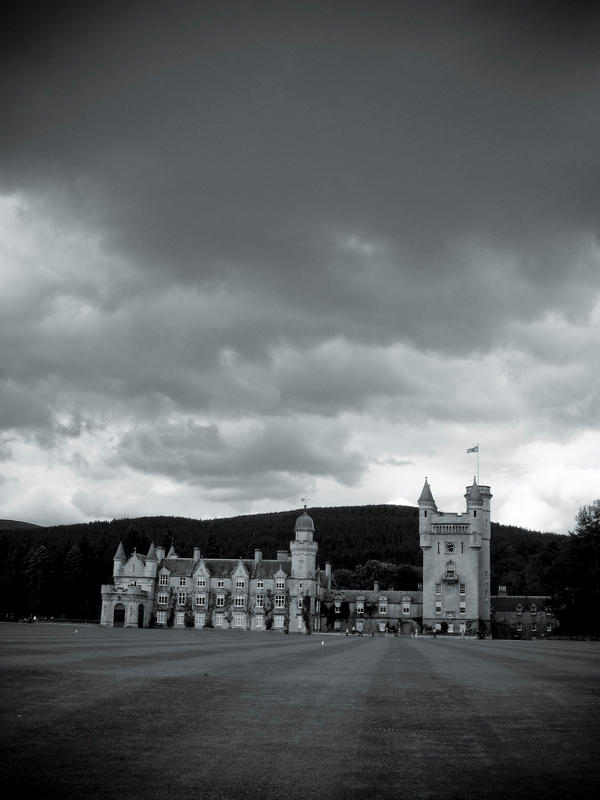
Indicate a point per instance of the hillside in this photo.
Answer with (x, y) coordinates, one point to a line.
(11, 525)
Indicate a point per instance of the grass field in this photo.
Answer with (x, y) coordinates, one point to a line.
(116, 713)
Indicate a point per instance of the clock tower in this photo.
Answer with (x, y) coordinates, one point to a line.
(456, 562)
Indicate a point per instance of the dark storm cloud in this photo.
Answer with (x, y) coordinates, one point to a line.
(265, 454)
(238, 143)
(241, 238)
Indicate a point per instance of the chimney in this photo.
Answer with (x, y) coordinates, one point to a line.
(376, 587)
(282, 555)
(257, 556)
(197, 554)
(502, 591)
(328, 574)
(160, 554)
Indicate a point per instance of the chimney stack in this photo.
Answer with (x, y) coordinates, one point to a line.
(197, 554)
(257, 556)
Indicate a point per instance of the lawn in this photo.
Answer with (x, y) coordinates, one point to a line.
(218, 715)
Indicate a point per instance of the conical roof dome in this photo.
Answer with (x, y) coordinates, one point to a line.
(426, 496)
(473, 494)
(304, 523)
(120, 554)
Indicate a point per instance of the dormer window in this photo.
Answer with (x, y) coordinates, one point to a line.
(280, 583)
(163, 580)
(182, 581)
(240, 583)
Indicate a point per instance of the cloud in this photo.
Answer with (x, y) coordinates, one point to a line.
(250, 247)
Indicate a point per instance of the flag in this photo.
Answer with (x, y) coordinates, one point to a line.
(473, 449)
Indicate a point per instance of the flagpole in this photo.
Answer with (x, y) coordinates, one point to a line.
(478, 463)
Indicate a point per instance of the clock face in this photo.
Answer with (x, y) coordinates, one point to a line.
(449, 547)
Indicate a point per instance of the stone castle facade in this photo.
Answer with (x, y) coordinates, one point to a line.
(292, 594)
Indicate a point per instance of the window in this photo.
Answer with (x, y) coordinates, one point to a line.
(260, 600)
(180, 617)
(259, 621)
(199, 619)
(533, 608)
(161, 617)
(533, 627)
(299, 604)
(338, 606)
(317, 606)
(299, 623)
(360, 607)
(438, 607)
(406, 608)
(163, 599)
(462, 588)
(382, 627)
(548, 627)
(485, 595)
(438, 548)
(278, 621)
(220, 583)
(239, 601)
(450, 569)
(548, 611)
(239, 620)
(219, 619)
(475, 513)
(163, 580)
(462, 547)
(220, 600)
(240, 583)
(200, 599)
(383, 606)
(438, 588)
(260, 584)
(182, 581)
(462, 608)
(201, 583)
(519, 610)
(300, 585)
(450, 547)
(181, 598)
(279, 601)
(280, 583)
(519, 626)
(337, 625)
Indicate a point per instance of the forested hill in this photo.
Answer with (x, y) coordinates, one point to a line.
(65, 565)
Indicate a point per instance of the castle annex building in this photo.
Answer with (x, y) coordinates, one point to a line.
(292, 594)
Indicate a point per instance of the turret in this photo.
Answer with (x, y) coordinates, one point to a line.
(427, 507)
(119, 560)
(304, 548)
(151, 562)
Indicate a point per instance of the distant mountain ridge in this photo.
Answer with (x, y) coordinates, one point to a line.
(12, 524)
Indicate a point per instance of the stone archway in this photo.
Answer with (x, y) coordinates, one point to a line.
(140, 616)
(119, 616)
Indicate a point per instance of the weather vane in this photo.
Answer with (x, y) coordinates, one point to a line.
(305, 501)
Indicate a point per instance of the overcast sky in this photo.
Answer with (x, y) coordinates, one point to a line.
(255, 251)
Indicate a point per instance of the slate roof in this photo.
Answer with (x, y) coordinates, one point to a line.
(225, 567)
(370, 596)
(509, 602)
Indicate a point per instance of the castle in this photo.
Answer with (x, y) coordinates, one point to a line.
(292, 594)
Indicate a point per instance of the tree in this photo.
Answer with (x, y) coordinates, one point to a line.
(36, 574)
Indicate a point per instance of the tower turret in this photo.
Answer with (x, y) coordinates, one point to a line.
(151, 562)
(119, 560)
